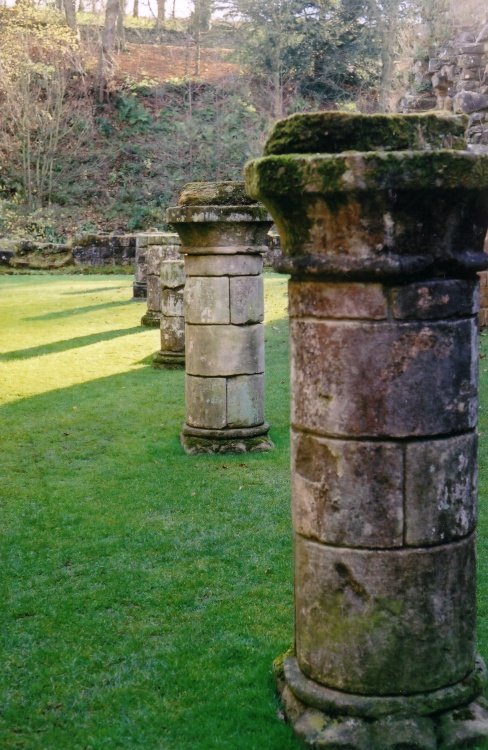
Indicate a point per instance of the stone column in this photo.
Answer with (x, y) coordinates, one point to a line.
(382, 232)
(139, 287)
(164, 246)
(223, 235)
(172, 353)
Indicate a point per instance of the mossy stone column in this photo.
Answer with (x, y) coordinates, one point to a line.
(172, 352)
(223, 236)
(164, 246)
(382, 220)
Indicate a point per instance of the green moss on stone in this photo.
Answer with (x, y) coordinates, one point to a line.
(214, 194)
(335, 132)
(294, 174)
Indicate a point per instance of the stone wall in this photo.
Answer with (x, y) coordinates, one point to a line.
(83, 250)
(104, 249)
(455, 78)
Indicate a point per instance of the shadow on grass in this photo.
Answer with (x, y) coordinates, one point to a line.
(79, 310)
(62, 346)
(93, 290)
(144, 552)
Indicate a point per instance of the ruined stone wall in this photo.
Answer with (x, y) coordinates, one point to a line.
(455, 78)
(83, 250)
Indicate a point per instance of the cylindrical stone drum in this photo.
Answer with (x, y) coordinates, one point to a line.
(172, 353)
(139, 287)
(223, 241)
(164, 246)
(382, 228)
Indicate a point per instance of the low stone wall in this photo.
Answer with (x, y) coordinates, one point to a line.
(104, 249)
(37, 255)
(83, 250)
(99, 250)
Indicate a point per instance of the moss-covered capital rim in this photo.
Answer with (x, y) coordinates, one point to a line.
(348, 172)
(215, 214)
(336, 132)
(225, 193)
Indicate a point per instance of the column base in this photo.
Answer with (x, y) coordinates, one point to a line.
(196, 440)
(151, 319)
(452, 718)
(168, 360)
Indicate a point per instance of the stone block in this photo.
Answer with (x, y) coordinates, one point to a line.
(348, 492)
(411, 733)
(173, 335)
(432, 300)
(388, 622)
(153, 294)
(172, 273)
(472, 48)
(463, 86)
(207, 300)
(224, 265)
(213, 351)
(440, 490)
(421, 379)
(246, 300)
(139, 290)
(317, 299)
(466, 727)
(245, 401)
(468, 102)
(205, 402)
(154, 255)
(172, 302)
(470, 62)
(483, 319)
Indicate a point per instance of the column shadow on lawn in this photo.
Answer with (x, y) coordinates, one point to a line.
(65, 345)
(93, 290)
(146, 573)
(59, 314)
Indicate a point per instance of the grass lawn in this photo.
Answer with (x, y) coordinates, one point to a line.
(148, 591)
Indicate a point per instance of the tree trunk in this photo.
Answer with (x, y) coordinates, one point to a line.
(161, 14)
(70, 13)
(135, 9)
(120, 25)
(106, 69)
(388, 55)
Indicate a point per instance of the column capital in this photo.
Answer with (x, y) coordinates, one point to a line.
(374, 196)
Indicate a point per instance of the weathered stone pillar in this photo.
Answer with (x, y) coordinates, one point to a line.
(139, 287)
(223, 235)
(164, 246)
(172, 353)
(382, 232)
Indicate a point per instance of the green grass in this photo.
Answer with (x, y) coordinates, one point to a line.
(148, 591)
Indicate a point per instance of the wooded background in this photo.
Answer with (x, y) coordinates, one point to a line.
(106, 114)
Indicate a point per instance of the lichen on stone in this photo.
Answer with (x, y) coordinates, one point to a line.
(214, 194)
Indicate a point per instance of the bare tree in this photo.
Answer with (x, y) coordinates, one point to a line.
(120, 25)
(70, 13)
(161, 14)
(106, 67)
